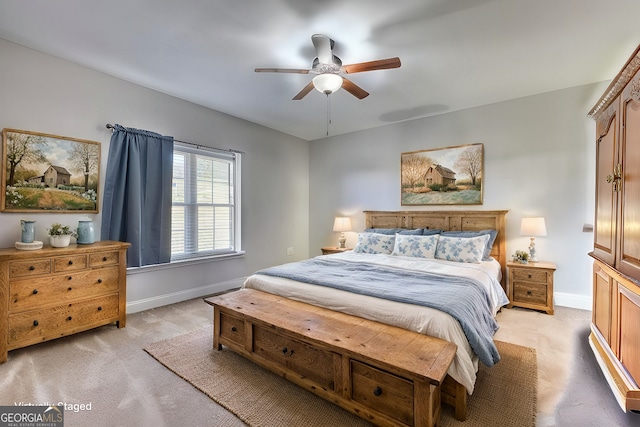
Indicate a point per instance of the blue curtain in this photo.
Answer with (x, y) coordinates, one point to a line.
(137, 194)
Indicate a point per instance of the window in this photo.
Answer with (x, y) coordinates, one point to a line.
(205, 215)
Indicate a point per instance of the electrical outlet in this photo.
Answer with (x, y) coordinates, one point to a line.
(290, 251)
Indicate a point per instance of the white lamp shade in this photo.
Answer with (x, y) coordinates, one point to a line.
(342, 223)
(327, 82)
(533, 227)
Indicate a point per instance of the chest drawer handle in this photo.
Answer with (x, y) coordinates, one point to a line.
(234, 329)
(35, 291)
(100, 308)
(104, 258)
(377, 391)
(70, 262)
(35, 323)
(31, 268)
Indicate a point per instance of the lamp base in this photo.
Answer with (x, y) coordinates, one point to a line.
(342, 241)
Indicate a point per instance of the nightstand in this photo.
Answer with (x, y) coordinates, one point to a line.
(333, 250)
(531, 285)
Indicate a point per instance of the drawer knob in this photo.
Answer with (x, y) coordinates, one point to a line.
(99, 280)
(69, 318)
(104, 258)
(528, 292)
(35, 323)
(377, 391)
(35, 291)
(100, 308)
(31, 268)
(234, 329)
(70, 262)
(285, 350)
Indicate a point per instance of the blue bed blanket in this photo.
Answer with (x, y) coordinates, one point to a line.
(464, 299)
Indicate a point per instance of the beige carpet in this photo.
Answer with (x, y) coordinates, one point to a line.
(505, 395)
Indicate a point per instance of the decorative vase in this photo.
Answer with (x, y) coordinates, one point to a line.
(86, 234)
(28, 230)
(60, 241)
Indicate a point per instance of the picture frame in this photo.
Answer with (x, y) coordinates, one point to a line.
(443, 176)
(49, 173)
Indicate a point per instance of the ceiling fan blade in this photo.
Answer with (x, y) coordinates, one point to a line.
(324, 47)
(381, 64)
(354, 89)
(281, 70)
(308, 88)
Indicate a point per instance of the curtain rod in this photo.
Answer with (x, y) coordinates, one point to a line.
(226, 150)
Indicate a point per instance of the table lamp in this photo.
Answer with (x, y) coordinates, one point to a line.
(533, 227)
(342, 224)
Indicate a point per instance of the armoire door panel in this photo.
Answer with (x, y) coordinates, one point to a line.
(628, 254)
(606, 159)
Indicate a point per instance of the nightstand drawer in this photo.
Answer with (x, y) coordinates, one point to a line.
(530, 292)
(530, 275)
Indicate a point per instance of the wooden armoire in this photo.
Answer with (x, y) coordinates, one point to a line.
(615, 326)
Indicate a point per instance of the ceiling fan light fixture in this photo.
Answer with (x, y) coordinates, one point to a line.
(327, 83)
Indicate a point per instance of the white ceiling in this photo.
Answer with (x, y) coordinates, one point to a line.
(455, 54)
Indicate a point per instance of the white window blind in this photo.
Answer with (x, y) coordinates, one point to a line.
(205, 216)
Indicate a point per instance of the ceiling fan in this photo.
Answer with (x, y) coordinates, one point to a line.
(328, 68)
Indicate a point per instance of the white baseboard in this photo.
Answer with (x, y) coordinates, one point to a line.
(581, 302)
(174, 297)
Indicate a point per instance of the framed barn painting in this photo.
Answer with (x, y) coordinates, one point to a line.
(49, 173)
(443, 176)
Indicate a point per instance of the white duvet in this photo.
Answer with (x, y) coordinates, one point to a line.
(416, 318)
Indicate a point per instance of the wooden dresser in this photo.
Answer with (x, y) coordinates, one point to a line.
(53, 292)
(615, 336)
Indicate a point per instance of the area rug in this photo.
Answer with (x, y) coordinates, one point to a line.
(505, 395)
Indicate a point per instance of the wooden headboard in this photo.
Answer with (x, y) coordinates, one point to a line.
(448, 221)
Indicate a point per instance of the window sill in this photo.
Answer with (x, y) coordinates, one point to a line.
(184, 263)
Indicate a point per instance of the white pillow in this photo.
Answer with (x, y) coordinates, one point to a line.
(415, 246)
(462, 249)
(373, 243)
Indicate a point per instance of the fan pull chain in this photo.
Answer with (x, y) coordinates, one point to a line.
(328, 113)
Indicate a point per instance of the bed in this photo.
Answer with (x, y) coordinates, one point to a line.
(358, 296)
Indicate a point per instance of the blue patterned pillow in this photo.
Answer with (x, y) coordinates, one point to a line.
(461, 249)
(415, 246)
(373, 243)
(487, 250)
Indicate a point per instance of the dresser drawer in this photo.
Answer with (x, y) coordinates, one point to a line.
(35, 326)
(103, 259)
(232, 329)
(530, 275)
(530, 292)
(382, 391)
(302, 358)
(33, 267)
(27, 294)
(69, 263)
